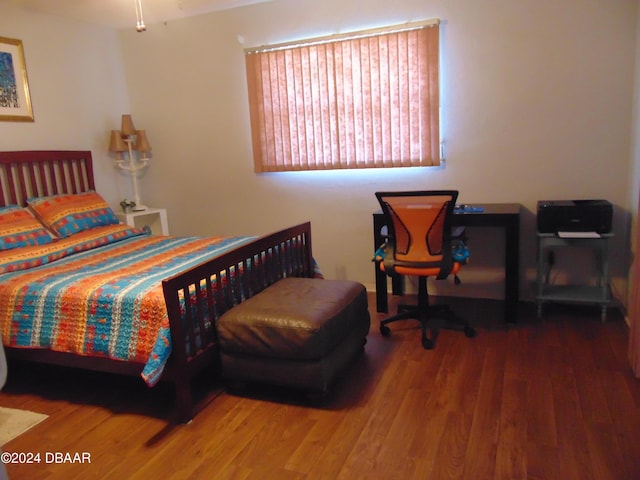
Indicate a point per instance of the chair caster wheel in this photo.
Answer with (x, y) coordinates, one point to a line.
(385, 331)
(427, 343)
(469, 332)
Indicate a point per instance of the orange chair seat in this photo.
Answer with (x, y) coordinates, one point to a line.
(422, 272)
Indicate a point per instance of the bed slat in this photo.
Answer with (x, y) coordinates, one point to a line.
(27, 174)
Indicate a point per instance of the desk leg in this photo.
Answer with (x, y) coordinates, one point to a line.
(381, 277)
(397, 285)
(381, 290)
(512, 271)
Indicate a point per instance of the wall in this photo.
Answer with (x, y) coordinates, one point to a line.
(634, 161)
(633, 318)
(77, 86)
(536, 105)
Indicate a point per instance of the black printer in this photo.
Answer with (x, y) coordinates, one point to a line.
(574, 216)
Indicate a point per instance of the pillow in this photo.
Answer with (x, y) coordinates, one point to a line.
(18, 228)
(35, 256)
(73, 213)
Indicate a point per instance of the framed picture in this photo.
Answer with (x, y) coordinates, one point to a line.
(15, 101)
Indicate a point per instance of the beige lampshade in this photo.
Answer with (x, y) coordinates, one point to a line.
(142, 143)
(127, 127)
(116, 144)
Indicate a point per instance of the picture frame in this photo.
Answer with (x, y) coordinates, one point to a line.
(15, 99)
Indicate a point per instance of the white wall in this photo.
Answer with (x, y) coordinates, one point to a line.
(77, 86)
(634, 176)
(536, 104)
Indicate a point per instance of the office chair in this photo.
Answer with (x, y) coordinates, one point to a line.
(419, 244)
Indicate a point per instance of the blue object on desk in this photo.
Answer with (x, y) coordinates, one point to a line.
(462, 208)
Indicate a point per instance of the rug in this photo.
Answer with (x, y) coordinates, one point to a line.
(14, 422)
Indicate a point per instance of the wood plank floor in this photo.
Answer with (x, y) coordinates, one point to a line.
(545, 399)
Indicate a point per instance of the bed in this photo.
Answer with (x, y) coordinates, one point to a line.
(92, 293)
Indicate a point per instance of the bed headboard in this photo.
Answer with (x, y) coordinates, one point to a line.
(27, 174)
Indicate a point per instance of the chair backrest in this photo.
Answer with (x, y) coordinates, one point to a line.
(419, 228)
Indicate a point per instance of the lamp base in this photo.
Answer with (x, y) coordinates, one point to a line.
(140, 208)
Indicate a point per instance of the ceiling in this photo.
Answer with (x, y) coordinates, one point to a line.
(122, 13)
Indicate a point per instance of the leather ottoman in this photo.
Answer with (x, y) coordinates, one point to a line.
(298, 332)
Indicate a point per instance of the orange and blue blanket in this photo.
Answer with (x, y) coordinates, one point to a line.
(99, 293)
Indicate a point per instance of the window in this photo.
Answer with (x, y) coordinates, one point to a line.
(367, 99)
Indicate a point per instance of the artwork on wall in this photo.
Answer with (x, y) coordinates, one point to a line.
(15, 100)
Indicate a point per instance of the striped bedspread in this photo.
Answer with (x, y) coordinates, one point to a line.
(99, 293)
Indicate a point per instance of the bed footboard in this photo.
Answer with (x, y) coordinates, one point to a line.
(198, 297)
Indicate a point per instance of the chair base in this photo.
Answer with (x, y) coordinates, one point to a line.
(425, 313)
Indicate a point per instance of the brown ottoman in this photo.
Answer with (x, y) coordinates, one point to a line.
(298, 332)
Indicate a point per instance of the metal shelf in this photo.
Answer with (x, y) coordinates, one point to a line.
(575, 294)
(599, 294)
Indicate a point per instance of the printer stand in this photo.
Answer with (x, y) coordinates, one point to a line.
(599, 294)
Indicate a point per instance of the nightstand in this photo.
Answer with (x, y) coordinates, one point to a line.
(154, 218)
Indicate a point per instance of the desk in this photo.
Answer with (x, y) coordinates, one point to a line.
(502, 215)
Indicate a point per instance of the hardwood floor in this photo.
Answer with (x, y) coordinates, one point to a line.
(544, 399)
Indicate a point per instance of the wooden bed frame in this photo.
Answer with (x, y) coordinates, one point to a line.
(264, 261)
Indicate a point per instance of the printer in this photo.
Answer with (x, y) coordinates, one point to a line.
(574, 216)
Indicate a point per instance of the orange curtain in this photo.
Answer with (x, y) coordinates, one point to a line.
(370, 100)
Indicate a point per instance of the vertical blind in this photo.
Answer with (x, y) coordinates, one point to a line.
(368, 99)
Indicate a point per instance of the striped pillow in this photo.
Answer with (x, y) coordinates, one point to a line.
(18, 228)
(69, 214)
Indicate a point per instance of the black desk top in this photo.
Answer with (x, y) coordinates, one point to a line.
(493, 214)
(488, 209)
(493, 209)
